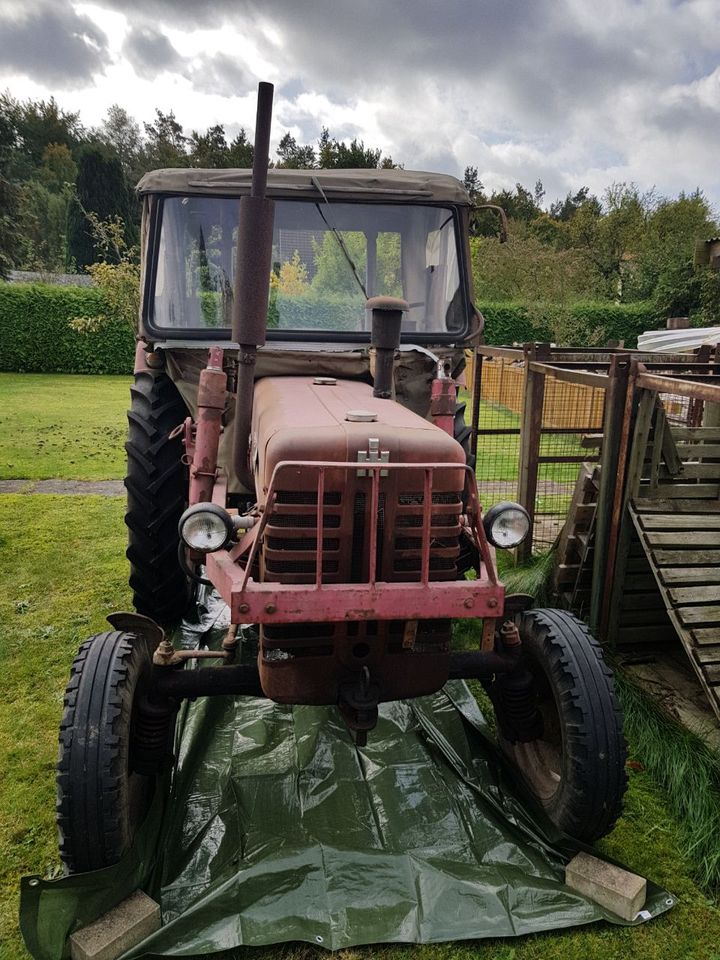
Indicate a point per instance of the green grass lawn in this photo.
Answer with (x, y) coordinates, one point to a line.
(65, 427)
(62, 570)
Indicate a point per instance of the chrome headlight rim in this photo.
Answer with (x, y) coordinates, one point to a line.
(215, 511)
(495, 513)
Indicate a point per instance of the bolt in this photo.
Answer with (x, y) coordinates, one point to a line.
(270, 608)
(468, 602)
(492, 603)
(243, 608)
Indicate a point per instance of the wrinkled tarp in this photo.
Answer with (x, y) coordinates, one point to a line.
(277, 828)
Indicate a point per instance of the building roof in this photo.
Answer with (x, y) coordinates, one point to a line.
(339, 184)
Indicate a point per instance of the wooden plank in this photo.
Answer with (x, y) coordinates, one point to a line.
(676, 506)
(696, 434)
(705, 635)
(649, 600)
(640, 582)
(658, 615)
(680, 558)
(651, 634)
(709, 615)
(669, 450)
(566, 572)
(691, 451)
(692, 471)
(688, 539)
(660, 431)
(685, 576)
(712, 673)
(686, 595)
(569, 376)
(700, 491)
(660, 521)
(709, 654)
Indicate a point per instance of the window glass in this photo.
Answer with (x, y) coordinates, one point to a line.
(327, 259)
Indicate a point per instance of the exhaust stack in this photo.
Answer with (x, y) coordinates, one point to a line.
(385, 338)
(252, 283)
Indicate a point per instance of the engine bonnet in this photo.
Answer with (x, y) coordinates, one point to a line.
(297, 419)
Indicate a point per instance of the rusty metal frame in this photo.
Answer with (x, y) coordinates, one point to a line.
(276, 603)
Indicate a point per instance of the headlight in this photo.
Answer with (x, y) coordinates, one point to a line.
(506, 524)
(206, 527)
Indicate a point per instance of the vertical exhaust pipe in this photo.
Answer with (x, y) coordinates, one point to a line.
(252, 284)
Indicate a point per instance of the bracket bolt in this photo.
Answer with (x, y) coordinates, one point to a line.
(492, 603)
(270, 608)
(243, 608)
(468, 602)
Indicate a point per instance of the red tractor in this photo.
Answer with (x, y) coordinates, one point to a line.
(296, 443)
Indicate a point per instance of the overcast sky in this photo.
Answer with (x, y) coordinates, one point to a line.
(572, 92)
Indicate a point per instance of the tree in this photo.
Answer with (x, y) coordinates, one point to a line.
(526, 269)
(294, 156)
(326, 150)
(40, 123)
(566, 209)
(166, 144)
(101, 191)
(58, 169)
(241, 151)
(8, 196)
(209, 149)
(356, 155)
(121, 134)
(117, 274)
(473, 184)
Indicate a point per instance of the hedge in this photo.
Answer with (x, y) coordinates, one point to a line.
(36, 336)
(586, 324)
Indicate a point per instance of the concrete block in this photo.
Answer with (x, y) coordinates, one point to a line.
(117, 930)
(616, 889)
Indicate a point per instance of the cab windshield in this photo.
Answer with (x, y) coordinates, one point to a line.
(327, 259)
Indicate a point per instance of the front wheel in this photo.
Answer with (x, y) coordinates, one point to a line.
(575, 766)
(102, 798)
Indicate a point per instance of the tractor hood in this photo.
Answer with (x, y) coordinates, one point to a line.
(297, 418)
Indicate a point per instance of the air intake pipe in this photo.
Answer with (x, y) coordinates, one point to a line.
(252, 284)
(385, 338)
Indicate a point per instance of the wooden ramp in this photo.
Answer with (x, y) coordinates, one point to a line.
(681, 540)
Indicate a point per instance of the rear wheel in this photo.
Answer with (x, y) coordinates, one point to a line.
(576, 765)
(101, 798)
(157, 486)
(463, 433)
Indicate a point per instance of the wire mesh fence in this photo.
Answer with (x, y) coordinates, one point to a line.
(569, 434)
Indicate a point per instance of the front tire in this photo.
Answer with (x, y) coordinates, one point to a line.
(576, 768)
(101, 800)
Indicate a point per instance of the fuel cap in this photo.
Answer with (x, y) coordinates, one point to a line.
(361, 416)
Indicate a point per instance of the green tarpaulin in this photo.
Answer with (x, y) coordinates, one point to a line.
(275, 827)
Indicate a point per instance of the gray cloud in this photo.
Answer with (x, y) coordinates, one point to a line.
(150, 52)
(52, 44)
(220, 74)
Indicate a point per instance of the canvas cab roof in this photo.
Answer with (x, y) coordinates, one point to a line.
(359, 185)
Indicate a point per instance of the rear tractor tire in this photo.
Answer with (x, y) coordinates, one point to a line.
(575, 767)
(106, 777)
(157, 489)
